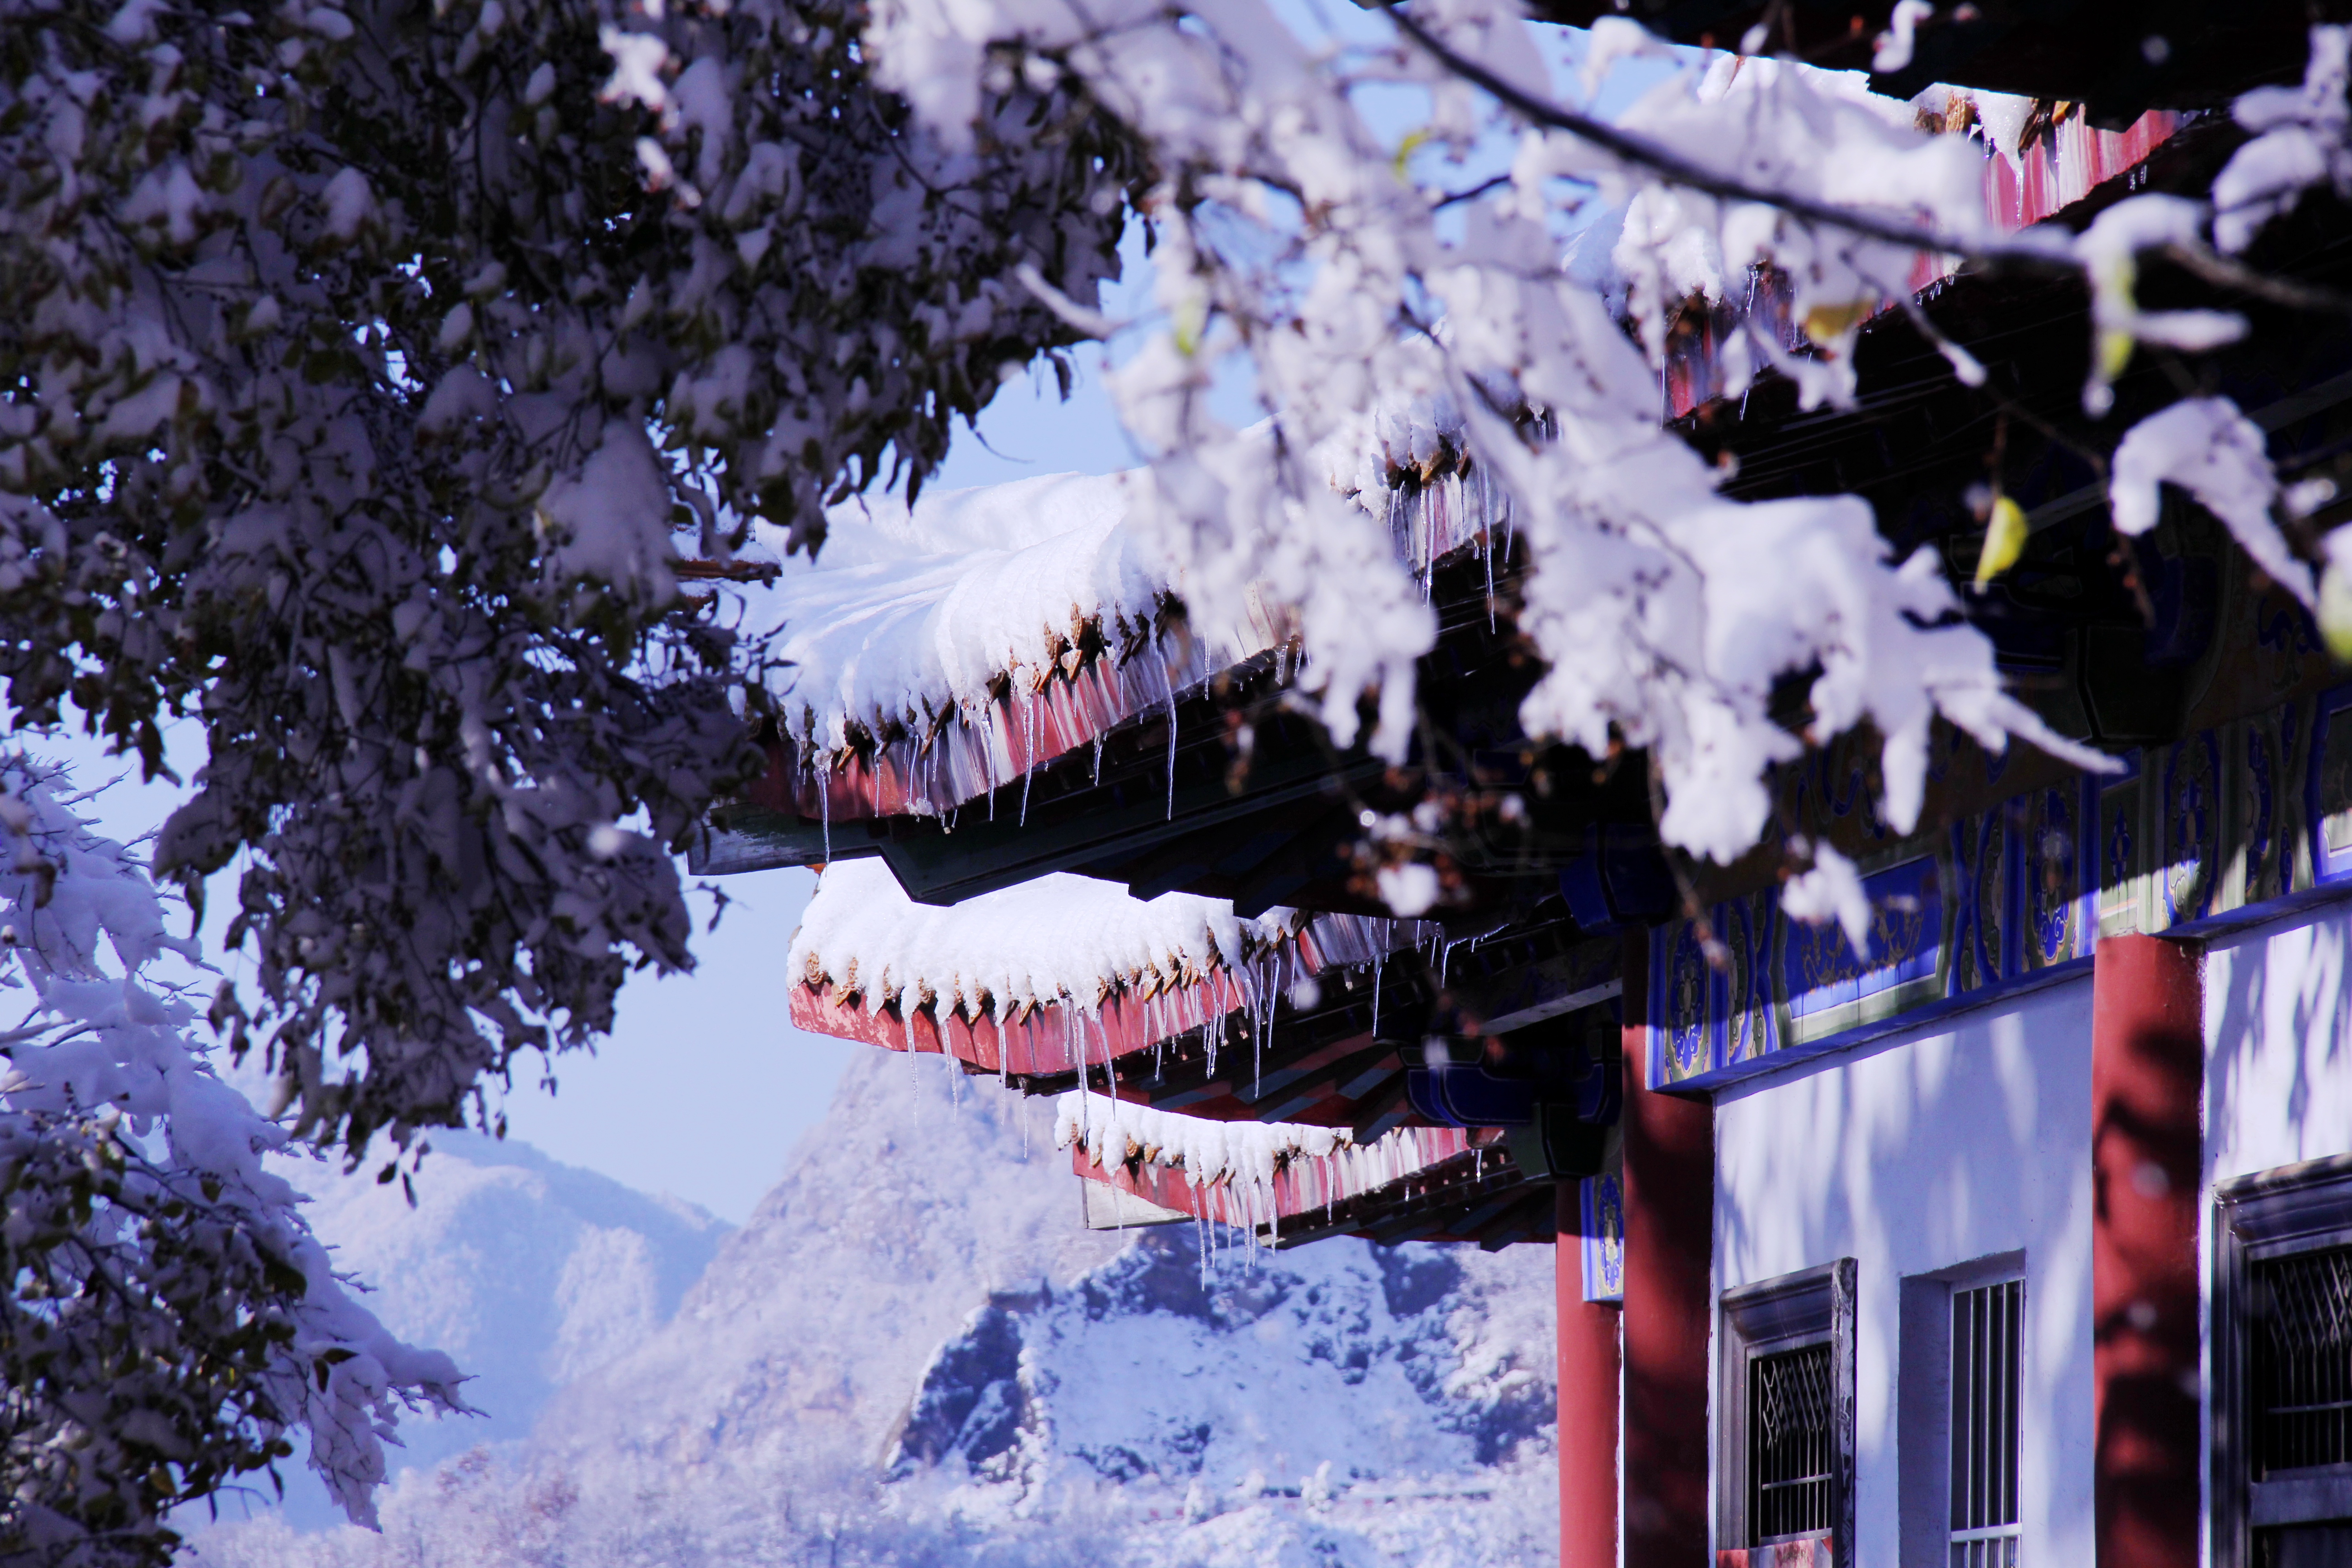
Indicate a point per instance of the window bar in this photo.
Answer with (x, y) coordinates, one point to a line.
(2012, 1381)
(1997, 1390)
(1966, 1420)
(1985, 1424)
(1989, 1387)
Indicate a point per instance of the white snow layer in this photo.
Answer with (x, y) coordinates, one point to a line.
(2300, 141)
(1325, 1163)
(1060, 939)
(916, 623)
(2216, 454)
(1115, 1132)
(937, 652)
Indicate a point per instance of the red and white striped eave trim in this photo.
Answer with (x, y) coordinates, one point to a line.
(1305, 1184)
(1062, 1036)
(1046, 715)
(2068, 165)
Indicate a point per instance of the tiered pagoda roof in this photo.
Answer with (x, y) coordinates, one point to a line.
(1075, 842)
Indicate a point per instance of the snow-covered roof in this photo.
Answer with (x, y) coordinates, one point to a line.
(1055, 973)
(2068, 159)
(1247, 1174)
(931, 654)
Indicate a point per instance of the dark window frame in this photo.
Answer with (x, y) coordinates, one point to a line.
(1812, 1307)
(1798, 1501)
(2273, 1214)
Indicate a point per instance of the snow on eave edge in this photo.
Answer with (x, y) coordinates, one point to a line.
(1065, 683)
(1251, 1174)
(1081, 969)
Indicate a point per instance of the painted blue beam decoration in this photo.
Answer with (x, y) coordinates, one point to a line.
(2238, 823)
(1601, 1204)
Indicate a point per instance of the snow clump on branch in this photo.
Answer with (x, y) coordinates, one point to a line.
(2302, 137)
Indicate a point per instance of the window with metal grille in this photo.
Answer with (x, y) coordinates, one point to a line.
(2282, 1433)
(1792, 1444)
(1984, 1429)
(2300, 1387)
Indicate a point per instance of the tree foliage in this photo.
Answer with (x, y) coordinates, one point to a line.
(169, 1319)
(340, 340)
(364, 371)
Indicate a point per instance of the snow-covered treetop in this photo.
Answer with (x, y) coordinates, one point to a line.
(170, 1319)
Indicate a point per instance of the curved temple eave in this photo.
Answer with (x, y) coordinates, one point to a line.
(1309, 1189)
(1061, 1036)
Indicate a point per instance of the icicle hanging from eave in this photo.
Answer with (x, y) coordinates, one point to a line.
(840, 765)
(2072, 159)
(1044, 714)
(1249, 1174)
(1447, 516)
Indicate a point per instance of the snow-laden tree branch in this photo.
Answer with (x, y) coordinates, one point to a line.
(363, 367)
(1293, 235)
(1667, 164)
(1664, 611)
(171, 1322)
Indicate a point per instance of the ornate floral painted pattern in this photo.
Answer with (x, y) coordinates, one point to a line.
(1602, 1202)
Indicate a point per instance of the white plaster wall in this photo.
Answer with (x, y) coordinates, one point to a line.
(1922, 1152)
(2278, 1067)
(2278, 1048)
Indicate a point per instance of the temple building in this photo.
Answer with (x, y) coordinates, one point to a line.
(2024, 1238)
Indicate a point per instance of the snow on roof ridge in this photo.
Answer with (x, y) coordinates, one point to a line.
(1248, 1173)
(1054, 973)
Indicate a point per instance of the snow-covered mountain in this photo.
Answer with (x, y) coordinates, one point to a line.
(529, 1273)
(913, 1354)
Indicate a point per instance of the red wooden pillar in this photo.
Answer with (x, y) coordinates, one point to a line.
(2147, 1071)
(1669, 1243)
(1588, 1371)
